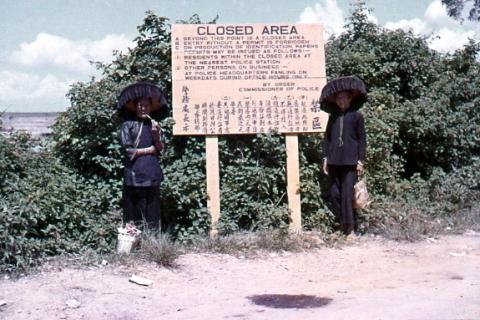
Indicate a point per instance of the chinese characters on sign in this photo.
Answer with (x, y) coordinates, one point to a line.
(239, 79)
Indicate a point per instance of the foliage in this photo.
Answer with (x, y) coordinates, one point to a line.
(422, 123)
(426, 207)
(455, 9)
(86, 140)
(85, 136)
(422, 119)
(253, 183)
(418, 99)
(406, 80)
(46, 209)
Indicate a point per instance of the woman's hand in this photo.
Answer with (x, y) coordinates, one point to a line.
(359, 168)
(144, 151)
(151, 150)
(156, 134)
(325, 166)
(155, 126)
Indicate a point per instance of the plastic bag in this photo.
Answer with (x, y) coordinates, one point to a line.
(360, 194)
(127, 237)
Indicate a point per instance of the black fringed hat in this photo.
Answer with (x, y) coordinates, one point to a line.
(138, 90)
(348, 83)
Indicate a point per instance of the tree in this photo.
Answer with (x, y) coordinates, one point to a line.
(86, 139)
(423, 133)
(456, 8)
(423, 115)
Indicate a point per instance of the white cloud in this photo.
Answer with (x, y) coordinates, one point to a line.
(371, 18)
(436, 14)
(51, 51)
(448, 40)
(103, 50)
(31, 92)
(326, 12)
(445, 33)
(53, 63)
(416, 25)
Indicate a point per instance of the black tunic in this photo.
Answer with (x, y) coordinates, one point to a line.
(142, 175)
(345, 144)
(345, 139)
(142, 171)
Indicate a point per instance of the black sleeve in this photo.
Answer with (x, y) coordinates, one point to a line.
(126, 139)
(362, 138)
(326, 139)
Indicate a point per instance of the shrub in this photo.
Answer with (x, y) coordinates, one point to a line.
(427, 207)
(422, 123)
(47, 209)
(422, 115)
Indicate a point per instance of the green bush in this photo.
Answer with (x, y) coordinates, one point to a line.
(422, 116)
(47, 209)
(446, 201)
(423, 137)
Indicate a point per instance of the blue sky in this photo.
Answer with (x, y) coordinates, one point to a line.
(45, 45)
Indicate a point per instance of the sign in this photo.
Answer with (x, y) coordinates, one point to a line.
(249, 78)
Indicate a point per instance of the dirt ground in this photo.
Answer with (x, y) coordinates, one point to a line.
(370, 278)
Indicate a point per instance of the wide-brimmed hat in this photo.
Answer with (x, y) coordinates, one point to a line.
(353, 84)
(138, 90)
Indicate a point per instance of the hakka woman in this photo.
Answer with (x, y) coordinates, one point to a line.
(142, 141)
(345, 144)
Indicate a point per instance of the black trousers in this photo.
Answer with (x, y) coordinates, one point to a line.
(142, 206)
(342, 180)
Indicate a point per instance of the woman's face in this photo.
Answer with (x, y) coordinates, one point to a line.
(143, 106)
(343, 99)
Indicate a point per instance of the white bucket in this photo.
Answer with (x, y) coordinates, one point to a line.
(125, 243)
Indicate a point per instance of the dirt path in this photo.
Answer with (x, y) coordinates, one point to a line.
(369, 279)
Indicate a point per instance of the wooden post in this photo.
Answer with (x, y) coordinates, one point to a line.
(213, 181)
(293, 182)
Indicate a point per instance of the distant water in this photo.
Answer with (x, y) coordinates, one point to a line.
(35, 123)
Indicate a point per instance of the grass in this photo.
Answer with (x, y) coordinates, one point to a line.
(408, 222)
(254, 243)
(411, 225)
(159, 248)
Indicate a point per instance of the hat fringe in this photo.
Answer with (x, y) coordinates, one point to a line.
(347, 83)
(142, 90)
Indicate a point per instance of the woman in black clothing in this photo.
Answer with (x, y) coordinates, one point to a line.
(142, 141)
(345, 144)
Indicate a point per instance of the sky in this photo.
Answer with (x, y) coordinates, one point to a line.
(46, 45)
